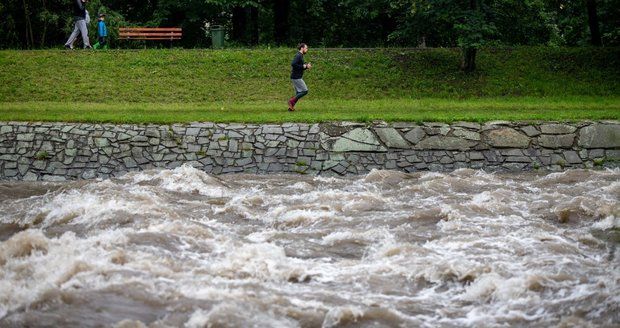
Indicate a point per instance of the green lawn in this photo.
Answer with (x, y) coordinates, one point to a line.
(166, 86)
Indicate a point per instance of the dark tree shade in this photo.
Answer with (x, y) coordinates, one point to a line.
(595, 34)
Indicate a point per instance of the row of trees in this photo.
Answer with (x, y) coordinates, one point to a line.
(332, 23)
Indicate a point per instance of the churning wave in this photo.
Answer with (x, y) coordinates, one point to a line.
(183, 248)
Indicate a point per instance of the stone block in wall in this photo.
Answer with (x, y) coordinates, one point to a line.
(460, 157)
(556, 140)
(572, 157)
(53, 178)
(507, 138)
(358, 139)
(511, 152)
(600, 136)
(6, 129)
(557, 128)
(514, 167)
(25, 137)
(29, 176)
(391, 138)
(518, 159)
(415, 135)
(613, 155)
(467, 125)
(596, 153)
(466, 134)
(492, 156)
(557, 159)
(443, 142)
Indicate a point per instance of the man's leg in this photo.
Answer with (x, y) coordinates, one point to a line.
(84, 30)
(73, 36)
(300, 94)
(301, 90)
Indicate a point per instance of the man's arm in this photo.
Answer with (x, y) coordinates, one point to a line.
(298, 62)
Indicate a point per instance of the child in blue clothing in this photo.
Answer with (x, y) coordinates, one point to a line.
(102, 33)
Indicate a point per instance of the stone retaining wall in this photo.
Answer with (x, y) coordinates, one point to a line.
(61, 151)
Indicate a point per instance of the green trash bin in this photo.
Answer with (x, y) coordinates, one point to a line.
(217, 37)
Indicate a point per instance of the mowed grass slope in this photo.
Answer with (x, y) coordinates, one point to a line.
(166, 86)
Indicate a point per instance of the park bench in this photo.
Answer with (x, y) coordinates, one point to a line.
(150, 33)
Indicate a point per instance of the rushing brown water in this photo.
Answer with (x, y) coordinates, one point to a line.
(182, 248)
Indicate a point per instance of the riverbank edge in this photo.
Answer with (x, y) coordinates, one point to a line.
(42, 151)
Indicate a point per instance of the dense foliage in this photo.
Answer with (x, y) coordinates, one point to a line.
(330, 23)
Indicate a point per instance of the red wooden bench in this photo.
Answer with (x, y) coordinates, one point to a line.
(150, 33)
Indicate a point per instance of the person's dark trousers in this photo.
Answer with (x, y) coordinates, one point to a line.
(101, 43)
(300, 90)
(300, 94)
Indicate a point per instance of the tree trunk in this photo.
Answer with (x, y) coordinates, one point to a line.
(595, 33)
(245, 25)
(253, 26)
(238, 24)
(469, 60)
(44, 25)
(469, 53)
(29, 34)
(281, 9)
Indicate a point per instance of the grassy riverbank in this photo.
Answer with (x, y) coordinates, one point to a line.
(164, 86)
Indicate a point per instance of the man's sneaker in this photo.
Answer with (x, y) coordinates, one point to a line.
(88, 47)
(291, 105)
(68, 47)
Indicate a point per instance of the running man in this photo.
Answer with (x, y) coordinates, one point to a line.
(297, 72)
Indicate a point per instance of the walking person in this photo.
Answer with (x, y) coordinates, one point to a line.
(102, 33)
(79, 17)
(297, 72)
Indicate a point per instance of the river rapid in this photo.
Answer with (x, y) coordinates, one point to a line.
(182, 248)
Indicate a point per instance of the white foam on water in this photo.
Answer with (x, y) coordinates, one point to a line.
(184, 179)
(489, 249)
(35, 265)
(380, 234)
(342, 315)
(231, 314)
(264, 262)
(610, 222)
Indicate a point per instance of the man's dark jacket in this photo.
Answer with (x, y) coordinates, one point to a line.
(297, 66)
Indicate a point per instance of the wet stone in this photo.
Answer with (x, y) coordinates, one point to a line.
(340, 169)
(572, 157)
(475, 155)
(518, 159)
(29, 176)
(192, 131)
(465, 134)
(6, 129)
(89, 174)
(556, 141)
(243, 161)
(53, 178)
(391, 138)
(596, 153)
(25, 137)
(468, 125)
(507, 138)
(557, 129)
(613, 155)
(129, 162)
(600, 136)
(514, 167)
